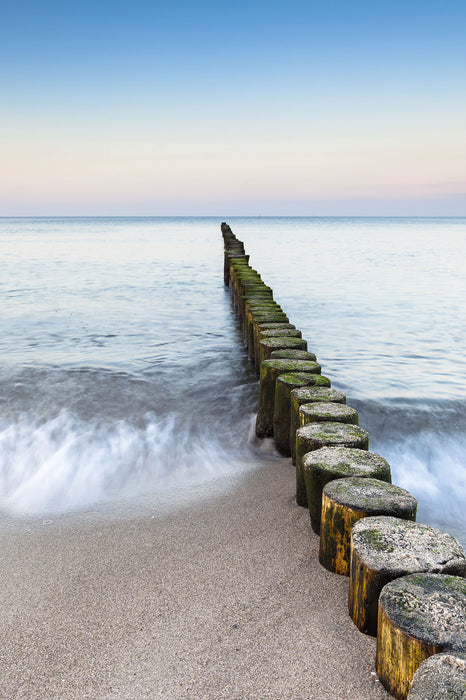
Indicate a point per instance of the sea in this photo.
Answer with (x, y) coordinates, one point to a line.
(124, 380)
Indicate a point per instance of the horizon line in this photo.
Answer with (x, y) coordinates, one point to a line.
(232, 216)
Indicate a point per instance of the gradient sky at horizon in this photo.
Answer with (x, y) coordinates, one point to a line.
(145, 108)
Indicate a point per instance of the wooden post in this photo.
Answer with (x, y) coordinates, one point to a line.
(298, 397)
(328, 411)
(384, 548)
(330, 463)
(316, 435)
(292, 355)
(270, 370)
(281, 416)
(439, 677)
(267, 345)
(419, 615)
(344, 502)
(253, 330)
(229, 256)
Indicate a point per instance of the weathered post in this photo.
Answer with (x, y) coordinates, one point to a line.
(306, 395)
(281, 414)
(316, 435)
(419, 615)
(344, 502)
(270, 370)
(384, 548)
(330, 463)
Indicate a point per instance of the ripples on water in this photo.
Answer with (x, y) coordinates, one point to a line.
(122, 366)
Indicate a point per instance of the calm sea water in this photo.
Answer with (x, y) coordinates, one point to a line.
(122, 370)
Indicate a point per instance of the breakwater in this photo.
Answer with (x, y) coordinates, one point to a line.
(405, 578)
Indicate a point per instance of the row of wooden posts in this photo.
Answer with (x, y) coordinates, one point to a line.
(407, 581)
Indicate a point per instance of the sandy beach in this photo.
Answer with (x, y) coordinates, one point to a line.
(219, 599)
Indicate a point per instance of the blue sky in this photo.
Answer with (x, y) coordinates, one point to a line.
(264, 108)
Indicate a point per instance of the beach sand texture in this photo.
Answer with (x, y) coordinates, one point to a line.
(219, 599)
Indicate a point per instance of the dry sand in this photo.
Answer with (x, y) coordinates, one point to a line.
(219, 599)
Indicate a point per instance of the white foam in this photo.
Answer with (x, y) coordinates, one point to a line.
(432, 467)
(66, 463)
(265, 446)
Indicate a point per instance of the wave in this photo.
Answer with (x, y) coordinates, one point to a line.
(425, 444)
(433, 469)
(66, 463)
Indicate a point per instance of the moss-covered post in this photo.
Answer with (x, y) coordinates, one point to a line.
(268, 345)
(283, 386)
(419, 615)
(250, 288)
(327, 411)
(238, 265)
(290, 354)
(306, 395)
(316, 435)
(257, 294)
(257, 305)
(344, 502)
(271, 315)
(254, 308)
(270, 370)
(237, 289)
(384, 548)
(330, 463)
(280, 333)
(241, 276)
(257, 315)
(255, 329)
(227, 263)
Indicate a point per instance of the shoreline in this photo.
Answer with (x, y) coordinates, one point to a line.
(222, 598)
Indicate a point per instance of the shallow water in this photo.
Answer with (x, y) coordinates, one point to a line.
(123, 372)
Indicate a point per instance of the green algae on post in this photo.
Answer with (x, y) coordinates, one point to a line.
(255, 315)
(250, 293)
(269, 316)
(254, 295)
(267, 345)
(266, 313)
(317, 412)
(384, 548)
(330, 463)
(304, 395)
(281, 417)
(344, 502)
(275, 326)
(315, 435)
(229, 255)
(292, 355)
(279, 332)
(269, 371)
(254, 329)
(419, 615)
(257, 327)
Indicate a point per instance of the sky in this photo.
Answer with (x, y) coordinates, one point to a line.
(254, 108)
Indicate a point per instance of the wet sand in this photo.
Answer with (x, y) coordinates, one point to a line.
(219, 599)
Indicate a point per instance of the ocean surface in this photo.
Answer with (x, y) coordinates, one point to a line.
(123, 374)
